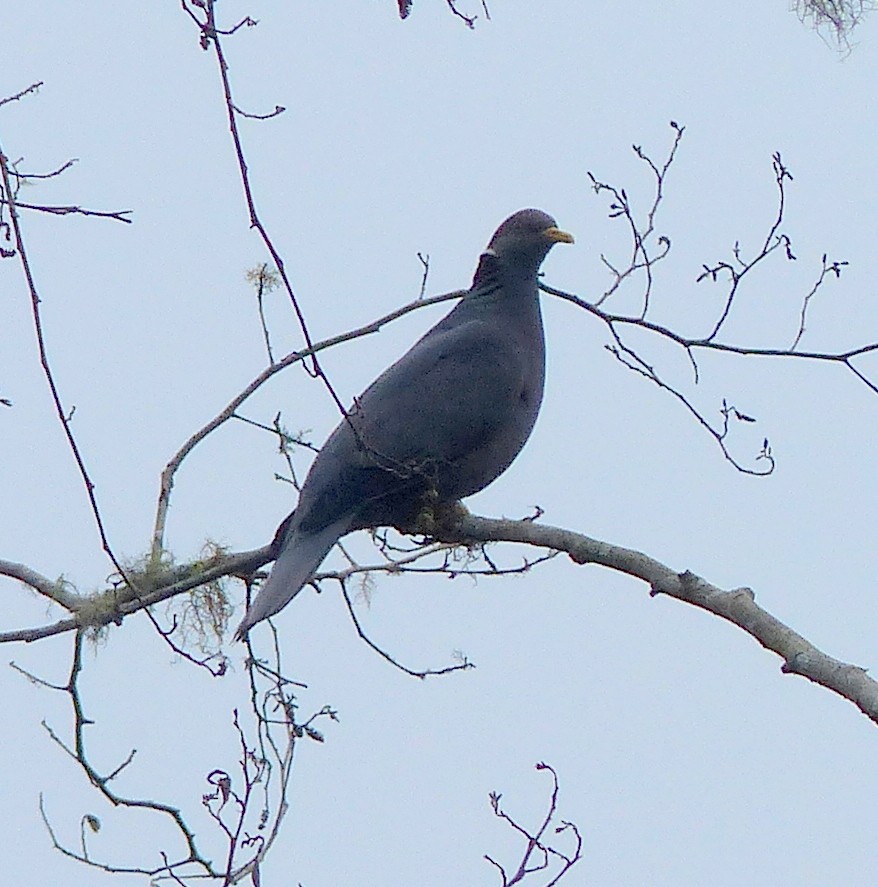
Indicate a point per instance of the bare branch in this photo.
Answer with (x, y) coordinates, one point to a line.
(620, 207)
(632, 360)
(699, 343)
(210, 36)
(26, 176)
(34, 87)
(101, 782)
(278, 110)
(737, 606)
(170, 470)
(62, 415)
(425, 263)
(773, 240)
(116, 215)
(427, 672)
(538, 853)
(468, 20)
(55, 591)
(112, 606)
(202, 13)
(828, 268)
(264, 280)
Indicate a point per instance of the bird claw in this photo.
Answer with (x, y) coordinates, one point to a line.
(438, 519)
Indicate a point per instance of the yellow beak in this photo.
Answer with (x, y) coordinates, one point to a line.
(556, 235)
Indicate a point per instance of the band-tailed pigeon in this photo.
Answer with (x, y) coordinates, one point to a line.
(440, 424)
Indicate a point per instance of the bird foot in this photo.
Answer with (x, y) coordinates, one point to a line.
(440, 519)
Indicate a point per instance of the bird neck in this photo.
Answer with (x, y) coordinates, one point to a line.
(495, 279)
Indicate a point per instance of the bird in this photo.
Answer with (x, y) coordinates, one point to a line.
(438, 425)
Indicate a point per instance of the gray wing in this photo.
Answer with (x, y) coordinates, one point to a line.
(448, 396)
(452, 412)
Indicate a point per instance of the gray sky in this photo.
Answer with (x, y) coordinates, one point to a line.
(685, 757)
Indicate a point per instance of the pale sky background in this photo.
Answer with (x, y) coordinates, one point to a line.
(685, 757)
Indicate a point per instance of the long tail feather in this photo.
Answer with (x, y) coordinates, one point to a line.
(298, 560)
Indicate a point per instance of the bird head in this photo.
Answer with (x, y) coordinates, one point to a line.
(525, 238)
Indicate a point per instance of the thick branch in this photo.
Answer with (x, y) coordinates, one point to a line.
(737, 606)
(97, 611)
(53, 590)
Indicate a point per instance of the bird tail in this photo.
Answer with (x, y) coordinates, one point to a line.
(301, 555)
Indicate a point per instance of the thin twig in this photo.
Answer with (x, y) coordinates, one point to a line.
(826, 269)
(117, 215)
(101, 782)
(20, 95)
(61, 413)
(422, 674)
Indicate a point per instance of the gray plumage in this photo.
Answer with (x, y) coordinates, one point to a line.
(440, 424)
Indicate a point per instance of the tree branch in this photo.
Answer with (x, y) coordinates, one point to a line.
(170, 470)
(737, 606)
(96, 611)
